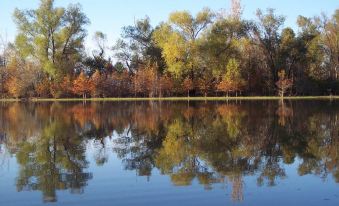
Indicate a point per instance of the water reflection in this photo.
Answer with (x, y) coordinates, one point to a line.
(215, 142)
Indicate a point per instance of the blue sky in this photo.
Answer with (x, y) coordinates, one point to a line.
(109, 16)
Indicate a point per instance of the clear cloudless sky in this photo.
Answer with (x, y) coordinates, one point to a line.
(109, 16)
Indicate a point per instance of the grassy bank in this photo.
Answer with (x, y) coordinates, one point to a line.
(176, 99)
(9, 100)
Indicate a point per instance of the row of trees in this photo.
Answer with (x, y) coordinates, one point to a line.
(211, 53)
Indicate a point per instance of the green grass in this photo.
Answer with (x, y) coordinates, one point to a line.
(9, 100)
(179, 98)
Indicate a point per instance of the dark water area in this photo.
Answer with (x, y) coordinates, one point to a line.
(170, 153)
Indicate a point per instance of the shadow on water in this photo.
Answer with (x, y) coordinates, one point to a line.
(210, 142)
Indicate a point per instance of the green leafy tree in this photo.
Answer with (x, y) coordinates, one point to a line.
(232, 80)
(179, 39)
(267, 37)
(137, 48)
(53, 36)
(330, 46)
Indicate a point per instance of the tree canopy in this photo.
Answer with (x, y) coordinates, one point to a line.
(207, 53)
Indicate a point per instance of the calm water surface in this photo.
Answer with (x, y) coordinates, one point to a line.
(170, 153)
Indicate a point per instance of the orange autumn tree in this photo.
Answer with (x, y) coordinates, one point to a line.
(14, 87)
(21, 79)
(66, 86)
(97, 87)
(82, 85)
(43, 88)
(55, 89)
(62, 87)
(187, 85)
(145, 81)
(224, 86)
(165, 86)
(119, 84)
(283, 83)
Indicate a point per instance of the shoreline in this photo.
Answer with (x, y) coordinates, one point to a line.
(116, 99)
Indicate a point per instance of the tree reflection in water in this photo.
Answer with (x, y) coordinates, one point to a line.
(213, 143)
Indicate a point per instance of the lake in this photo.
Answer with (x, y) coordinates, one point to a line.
(170, 153)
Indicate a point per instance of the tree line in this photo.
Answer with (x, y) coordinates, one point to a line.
(207, 54)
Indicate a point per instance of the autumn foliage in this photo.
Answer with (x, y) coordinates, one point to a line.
(210, 53)
(283, 83)
(82, 85)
